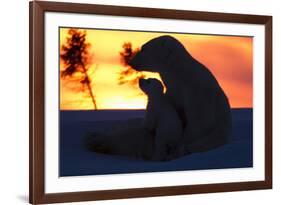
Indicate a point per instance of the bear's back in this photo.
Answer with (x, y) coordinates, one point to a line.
(208, 114)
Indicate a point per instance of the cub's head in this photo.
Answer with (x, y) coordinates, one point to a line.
(157, 54)
(151, 86)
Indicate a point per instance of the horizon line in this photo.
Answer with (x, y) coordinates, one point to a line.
(137, 109)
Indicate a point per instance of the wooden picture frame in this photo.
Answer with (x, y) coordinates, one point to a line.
(37, 10)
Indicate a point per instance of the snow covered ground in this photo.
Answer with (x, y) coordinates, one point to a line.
(75, 160)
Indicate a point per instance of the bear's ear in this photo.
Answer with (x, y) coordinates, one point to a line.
(173, 50)
(165, 50)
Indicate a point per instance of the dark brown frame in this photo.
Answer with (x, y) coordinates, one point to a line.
(37, 9)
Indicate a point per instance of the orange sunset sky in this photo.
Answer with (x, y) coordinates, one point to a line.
(229, 58)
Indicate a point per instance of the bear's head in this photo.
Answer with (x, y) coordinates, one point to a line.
(151, 86)
(158, 54)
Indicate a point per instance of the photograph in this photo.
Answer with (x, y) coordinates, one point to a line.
(130, 102)
(143, 101)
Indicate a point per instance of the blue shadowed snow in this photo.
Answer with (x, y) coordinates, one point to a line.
(75, 160)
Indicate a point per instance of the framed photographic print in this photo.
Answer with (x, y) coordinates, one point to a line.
(140, 102)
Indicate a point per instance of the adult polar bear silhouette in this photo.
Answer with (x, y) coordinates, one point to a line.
(162, 120)
(193, 91)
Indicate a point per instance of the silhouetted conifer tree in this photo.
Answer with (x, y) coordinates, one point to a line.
(76, 57)
(129, 75)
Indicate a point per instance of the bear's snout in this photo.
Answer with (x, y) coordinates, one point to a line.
(134, 62)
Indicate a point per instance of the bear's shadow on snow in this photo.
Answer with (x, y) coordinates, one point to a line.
(192, 116)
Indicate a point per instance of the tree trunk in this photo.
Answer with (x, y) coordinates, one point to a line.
(88, 83)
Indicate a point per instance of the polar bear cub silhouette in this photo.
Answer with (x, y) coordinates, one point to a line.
(162, 120)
